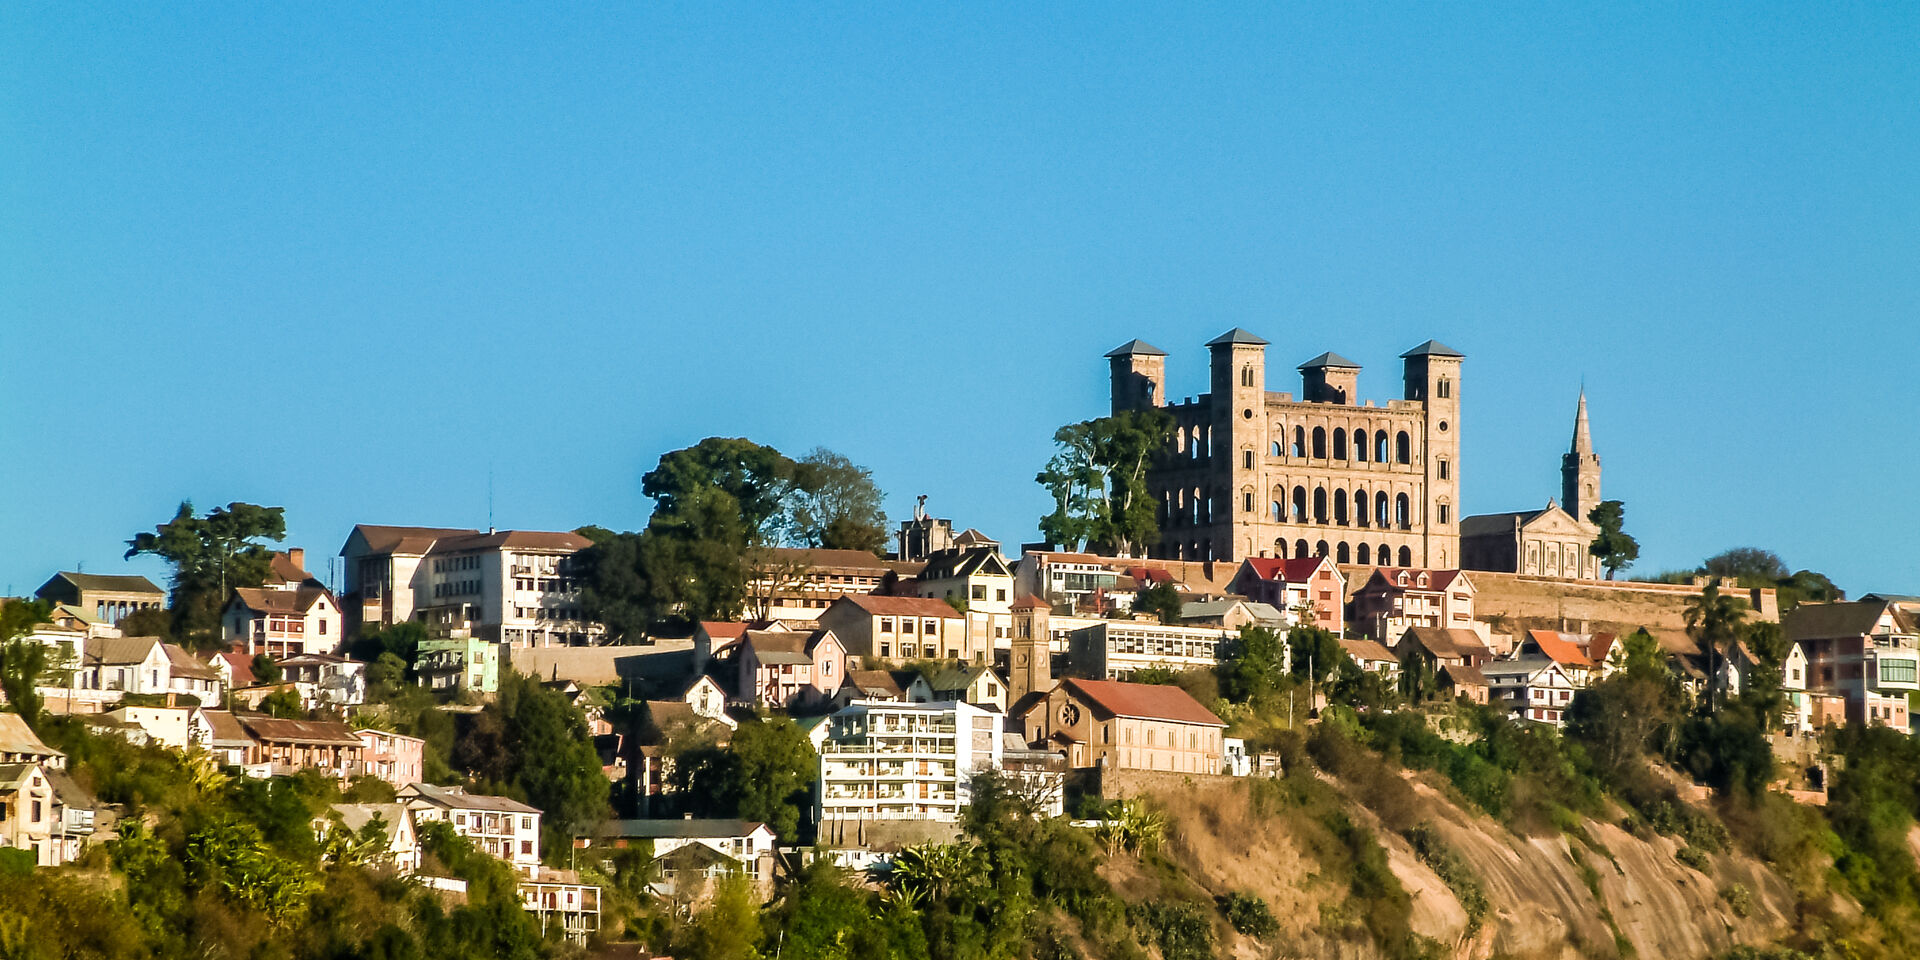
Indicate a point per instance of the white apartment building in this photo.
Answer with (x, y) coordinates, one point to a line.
(1116, 649)
(1062, 578)
(503, 828)
(513, 586)
(903, 761)
(1532, 688)
(799, 583)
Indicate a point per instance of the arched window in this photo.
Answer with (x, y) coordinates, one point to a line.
(1406, 557)
(1320, 549)
(1276, 448)
(1319, 443)
(1360, 507)
(1380, 441)
(1339, 508)
(1403, 448)
(1443, 389)
(1280, 548)
(1299, 441)
(1403, 512)
(1360, 445)
(1199, 507)
(1366, 555)
(1339, 444)
(1246, 377)
(1300, 549)
(1279, 513)
(1299, 504)
(1380, 515)
(1340, 554)
(1319, 505)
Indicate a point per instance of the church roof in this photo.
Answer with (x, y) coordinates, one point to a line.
(1136, 348)
(1236, 335)
(1432, 348)
(1329, 359)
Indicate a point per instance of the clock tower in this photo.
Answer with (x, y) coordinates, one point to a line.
(1030, 664)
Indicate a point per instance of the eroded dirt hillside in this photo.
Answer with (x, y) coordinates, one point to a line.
(1615, 895)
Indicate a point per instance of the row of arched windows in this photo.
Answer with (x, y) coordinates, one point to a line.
(1360, 446)
(1362, 553)
(1341, 509)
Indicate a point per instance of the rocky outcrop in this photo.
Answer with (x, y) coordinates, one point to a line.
(1613, 894)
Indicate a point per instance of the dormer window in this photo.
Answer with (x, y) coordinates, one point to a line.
(1403, 579)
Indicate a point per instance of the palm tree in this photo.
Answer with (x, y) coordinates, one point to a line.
(1713, 621)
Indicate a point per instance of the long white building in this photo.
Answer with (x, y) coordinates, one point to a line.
(513, 586)
(904, 761)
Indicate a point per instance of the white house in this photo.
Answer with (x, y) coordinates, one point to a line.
(181, 728)
(282, 622)
(503, 828)
(336, 680)
(1532, 688)
(400, 845)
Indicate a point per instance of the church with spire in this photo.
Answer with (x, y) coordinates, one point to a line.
(1551, 541)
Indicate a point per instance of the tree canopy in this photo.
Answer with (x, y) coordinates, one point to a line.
(1617, 551)
(1098, 481)
(211, 555)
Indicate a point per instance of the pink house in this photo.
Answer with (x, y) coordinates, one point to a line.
(782, 669)
(1312, 583)
(393, 757)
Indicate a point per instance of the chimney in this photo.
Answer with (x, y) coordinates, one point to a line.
(298, 555)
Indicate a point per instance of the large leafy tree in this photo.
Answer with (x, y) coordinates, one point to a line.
(211, 555)
(22, 661)
(1252, 665)
(1161, 600)
(837, 505)
(1098, 481)
(1746, 566)
(1617, 551)
(764, 775)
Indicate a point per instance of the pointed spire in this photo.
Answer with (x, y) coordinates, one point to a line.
(1582, 438)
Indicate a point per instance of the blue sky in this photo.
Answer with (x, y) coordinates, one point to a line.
(355, 261)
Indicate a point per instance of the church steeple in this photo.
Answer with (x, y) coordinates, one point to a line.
(1580, 468)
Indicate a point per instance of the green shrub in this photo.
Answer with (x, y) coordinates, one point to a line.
(1249, 914)
(1180, 930)
(1693, 857)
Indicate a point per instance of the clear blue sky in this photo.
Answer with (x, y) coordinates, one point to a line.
(351, 262)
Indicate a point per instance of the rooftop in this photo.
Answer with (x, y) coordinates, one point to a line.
(1145, 701)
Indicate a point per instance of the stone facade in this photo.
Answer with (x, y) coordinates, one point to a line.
(1551, 542)
(1259, 474)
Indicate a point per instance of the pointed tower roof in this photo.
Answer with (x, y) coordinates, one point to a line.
(1329, 359)
(1582, 438)
(1432, 348)
(1237, 335)
(1136, 348)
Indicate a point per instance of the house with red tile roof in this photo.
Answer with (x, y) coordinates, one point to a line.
(1125, 726)
(282, 622)
(1314, 583)
(903, 628)
(1394, 599)
(1569, 650)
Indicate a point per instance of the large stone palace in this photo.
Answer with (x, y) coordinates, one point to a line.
(1259, 474)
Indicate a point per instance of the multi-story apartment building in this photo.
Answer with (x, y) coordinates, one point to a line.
(798, 584)
(503, 828)
(977, 578)
(512, 586)
(1253, 473)
(902, 628)
(452, 658)
(1063, 579)
(1117, 649)
(1396, 599)
(1531, 688)
(394, 757)
(1866, 652)
(903, 761)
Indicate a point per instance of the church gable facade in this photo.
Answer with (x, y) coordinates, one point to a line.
(1551, 542)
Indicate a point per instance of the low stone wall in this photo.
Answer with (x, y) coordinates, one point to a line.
(1512, 604)
(1111, 784)
(885, 835)
(594, 666)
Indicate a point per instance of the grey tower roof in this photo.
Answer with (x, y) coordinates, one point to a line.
(1432, 348)
(1236, 335)
(1136, 348)
(1329, 359)
(1582, 436)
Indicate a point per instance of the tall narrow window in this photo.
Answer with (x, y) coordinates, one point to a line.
(1445, 469)
(1445, 388)
(1246, 459)
(1246, 377)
